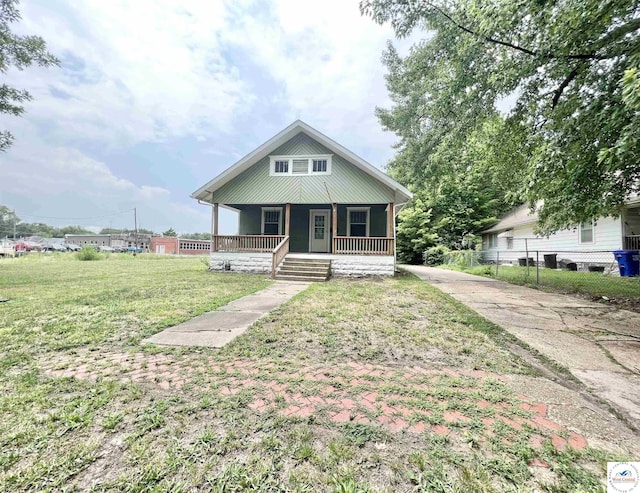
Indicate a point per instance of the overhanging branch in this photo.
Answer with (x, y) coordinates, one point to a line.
(581, 56)
(558, 92)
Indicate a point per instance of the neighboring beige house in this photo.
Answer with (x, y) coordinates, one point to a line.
(604, 235)
(301, 195)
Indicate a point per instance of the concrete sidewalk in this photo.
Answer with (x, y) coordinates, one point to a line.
(599, 344)
(217, 328)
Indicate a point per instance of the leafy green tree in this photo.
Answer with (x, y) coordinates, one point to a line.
(197, 236)
(414, 233)
(19, 52)
(570, 67)
(170, 232)
(114, 231)
(8, 220)
(73, 230)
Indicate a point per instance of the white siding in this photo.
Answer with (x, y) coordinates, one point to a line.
(607, 236)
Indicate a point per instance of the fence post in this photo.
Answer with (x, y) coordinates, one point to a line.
(497, 262)
(537, 267)
(526, 254)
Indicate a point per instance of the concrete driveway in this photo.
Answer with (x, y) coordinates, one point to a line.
(598, 344)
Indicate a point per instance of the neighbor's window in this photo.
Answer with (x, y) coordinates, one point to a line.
(510, 243)
(586, 232)
(359, 222)
(281, 166)
(319, 165)
(493, 240)
(271, 221)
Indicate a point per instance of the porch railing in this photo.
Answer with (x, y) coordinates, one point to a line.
(359, 245)
(246, 243)
(279, 253)
(632, 242)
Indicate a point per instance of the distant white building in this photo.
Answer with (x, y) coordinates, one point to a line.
(110, 240)
(514, 233)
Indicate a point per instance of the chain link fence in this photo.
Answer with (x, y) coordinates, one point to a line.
(595, 273)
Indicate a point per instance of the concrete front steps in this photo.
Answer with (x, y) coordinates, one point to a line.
(304, 269)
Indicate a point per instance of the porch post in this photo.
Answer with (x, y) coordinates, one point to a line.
(390, 226)
(214, 228)
(334, 226)
(287, 218)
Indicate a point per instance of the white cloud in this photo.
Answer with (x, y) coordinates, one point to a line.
(327, 56)
(134, 71)
(46, 183)
(153, 72)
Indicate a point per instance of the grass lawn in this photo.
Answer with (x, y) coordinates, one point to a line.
(351, 386)
(594, 284)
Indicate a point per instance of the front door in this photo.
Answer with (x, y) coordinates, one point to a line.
(319, 231)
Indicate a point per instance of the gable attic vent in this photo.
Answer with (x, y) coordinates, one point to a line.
(300, 166)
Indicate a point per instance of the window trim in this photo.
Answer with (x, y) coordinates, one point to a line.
(368, 223)
(266, 209)
(593, 233)
(308, 157)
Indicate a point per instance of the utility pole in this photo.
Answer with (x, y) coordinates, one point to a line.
(135, 226)
(15, 221)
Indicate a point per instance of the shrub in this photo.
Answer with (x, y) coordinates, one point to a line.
(463, 258)
(435, 255)
(88, 253)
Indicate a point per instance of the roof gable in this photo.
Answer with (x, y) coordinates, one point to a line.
(280, 139)
(518, 216)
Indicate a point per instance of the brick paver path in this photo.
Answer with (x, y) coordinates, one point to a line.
(400, 399)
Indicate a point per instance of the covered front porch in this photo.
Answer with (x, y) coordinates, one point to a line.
(330, 230)
(349, 229)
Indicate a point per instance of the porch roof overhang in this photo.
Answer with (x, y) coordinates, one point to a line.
(205, 192)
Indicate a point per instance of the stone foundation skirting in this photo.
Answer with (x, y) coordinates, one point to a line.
(241, 262)
(341, 265)
(364, 265)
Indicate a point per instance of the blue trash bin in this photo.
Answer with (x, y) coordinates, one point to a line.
(628, 262)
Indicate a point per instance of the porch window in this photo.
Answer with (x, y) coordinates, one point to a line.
(586, 232)
(271, 220)
(358, 221)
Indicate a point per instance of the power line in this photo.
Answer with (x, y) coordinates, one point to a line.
(77, 218)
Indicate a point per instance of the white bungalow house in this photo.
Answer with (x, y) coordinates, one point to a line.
(515, 232)
(302, 198)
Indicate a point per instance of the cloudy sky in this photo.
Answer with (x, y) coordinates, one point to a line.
(154, 98)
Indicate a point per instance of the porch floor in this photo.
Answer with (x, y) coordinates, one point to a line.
(330, 256)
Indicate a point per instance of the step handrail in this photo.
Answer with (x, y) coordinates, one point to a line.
(278, 255)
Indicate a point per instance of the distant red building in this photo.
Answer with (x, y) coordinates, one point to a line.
(167, 245)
